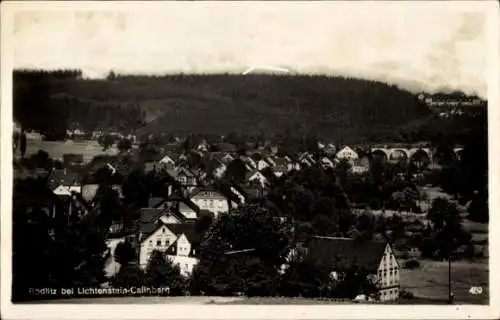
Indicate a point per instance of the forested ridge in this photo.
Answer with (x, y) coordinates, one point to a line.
(339, 108)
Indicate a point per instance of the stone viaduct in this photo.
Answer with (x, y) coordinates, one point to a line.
(407, 154)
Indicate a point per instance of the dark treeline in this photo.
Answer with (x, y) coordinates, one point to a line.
(42, 103)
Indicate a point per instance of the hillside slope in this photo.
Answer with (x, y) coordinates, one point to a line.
(331, 107)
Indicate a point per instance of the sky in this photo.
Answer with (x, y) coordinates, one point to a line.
(416, 45)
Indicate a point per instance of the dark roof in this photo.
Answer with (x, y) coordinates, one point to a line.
(341, 253)
(188, 229)
(61, 176)
(280, 161)
(147, 228)
(150, 214)
(154, 202)
(226, 147)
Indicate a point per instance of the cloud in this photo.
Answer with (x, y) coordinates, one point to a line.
(433, 46)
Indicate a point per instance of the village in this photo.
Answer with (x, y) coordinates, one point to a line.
(370, 215)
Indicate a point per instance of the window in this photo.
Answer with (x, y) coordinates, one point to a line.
(167, 243)
(158, 242)
(163, 230)
(211, 203)
(150, 243)
(186, 266)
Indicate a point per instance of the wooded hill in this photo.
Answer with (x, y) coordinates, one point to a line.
(337, 108)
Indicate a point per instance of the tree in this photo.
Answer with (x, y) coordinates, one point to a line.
(448, 232)
(124, 145)
(106, 141)
(65, 254)
(129, 276)
(124, 253)
(478, 208)
(233, 245)
(305, 278)
(161, 272)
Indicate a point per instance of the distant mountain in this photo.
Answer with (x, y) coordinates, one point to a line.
(261, 104)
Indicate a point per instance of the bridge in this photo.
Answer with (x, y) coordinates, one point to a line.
(414, 154)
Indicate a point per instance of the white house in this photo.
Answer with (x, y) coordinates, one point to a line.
(327, 162)
(168, 162)
(154, 236)
(262, 164)
(211, 200)
(183, 251)
(361, 165)
(347, 153)
(220, 170)
(179, 242)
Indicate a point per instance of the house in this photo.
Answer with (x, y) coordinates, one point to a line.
(330, 149)
(376, 258)
(262, 164)
(169, 161)
(153, 236)
(203, 147)
(184, 177)
(179, 241)
(167, 214)
(270, 161)
(361, 165)
(280, 166)
(347, 153)
(220, 170)
(306, 159)
(63, 177)
(327, 162)
(256, 178)
(250, 163)
(67, 190)
(212, 199)
(226, 158)
(183, 252)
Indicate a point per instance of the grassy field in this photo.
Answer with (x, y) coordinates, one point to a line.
(56, 149)
(430, 281)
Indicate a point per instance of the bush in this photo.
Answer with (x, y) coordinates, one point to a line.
(406, 294)
(412, 264)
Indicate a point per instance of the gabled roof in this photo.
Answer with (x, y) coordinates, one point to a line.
(185, 171)
(341, 253)
(149, 215)
(187, 204)
(188, 229)
(148, 228)
(199, 190)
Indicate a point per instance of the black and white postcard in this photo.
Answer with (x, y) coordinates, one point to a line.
(243, 159)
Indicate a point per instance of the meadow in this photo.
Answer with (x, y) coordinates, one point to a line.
(56, 149)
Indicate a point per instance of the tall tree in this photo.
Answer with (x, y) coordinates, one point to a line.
(161, 272)
(236, 240)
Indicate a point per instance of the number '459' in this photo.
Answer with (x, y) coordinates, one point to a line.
(476, 290)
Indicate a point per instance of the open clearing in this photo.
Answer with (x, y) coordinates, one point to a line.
(430, 281)
(56, 149)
